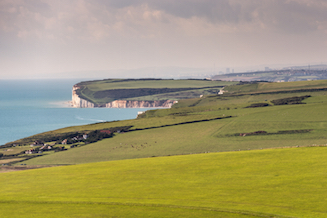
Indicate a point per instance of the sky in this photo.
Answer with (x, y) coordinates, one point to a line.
(46, 38)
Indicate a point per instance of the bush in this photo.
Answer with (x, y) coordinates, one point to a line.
(292, 100)
(258, 105)
(97, 135)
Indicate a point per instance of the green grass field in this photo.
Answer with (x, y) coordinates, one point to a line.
(209, 136)
(270, 87)
(165, 132)
(139, 83)
(279, 75)
(262, 183)
(187, 161)
(104, 91)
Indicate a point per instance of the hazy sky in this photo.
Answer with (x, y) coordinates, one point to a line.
(49, 37)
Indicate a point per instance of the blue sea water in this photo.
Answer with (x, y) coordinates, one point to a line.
(28, 107)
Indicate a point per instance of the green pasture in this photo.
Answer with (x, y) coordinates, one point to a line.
(287, 182)
(216, 102)
(136, 123)
(103, 210)
(186, 161)
(265, 87)
(207, 136)
(139, 83)
(190, 127)
(195, 93)
(14, 150)
(283, 75)
(89, 89)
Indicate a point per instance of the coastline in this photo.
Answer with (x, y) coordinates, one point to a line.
(27, 121)
(78, 102)
(30, 107)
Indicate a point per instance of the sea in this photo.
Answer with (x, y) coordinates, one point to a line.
(29, 107)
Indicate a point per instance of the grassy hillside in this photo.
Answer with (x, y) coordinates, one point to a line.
(287, 75)
(208, 136)
(104, 91)
(277, 87)
(214, 123)
(261, 183)
(205, 157)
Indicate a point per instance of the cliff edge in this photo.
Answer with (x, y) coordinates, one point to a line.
(78, 102)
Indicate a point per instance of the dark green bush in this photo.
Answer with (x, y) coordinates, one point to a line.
(292, 100)
(97, 135)
(258, 105)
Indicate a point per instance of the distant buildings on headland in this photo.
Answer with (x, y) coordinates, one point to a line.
(317, 72)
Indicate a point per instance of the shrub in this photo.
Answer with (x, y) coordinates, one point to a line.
(97, 135)
(292, 100)
(258, 105)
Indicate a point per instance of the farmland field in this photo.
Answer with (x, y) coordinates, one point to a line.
(105, 91)
(258, 150)
(213, 123)
(207, 136)
(263, 183)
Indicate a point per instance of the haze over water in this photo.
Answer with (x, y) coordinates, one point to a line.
(28, 107)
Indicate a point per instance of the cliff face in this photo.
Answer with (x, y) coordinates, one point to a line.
(79, 102)
(139, 104)
(82, 103)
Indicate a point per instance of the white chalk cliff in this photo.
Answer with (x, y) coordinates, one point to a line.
(79, 102)
(82, 103)
(139, 104)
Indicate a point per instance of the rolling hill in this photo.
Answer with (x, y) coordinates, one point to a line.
(261, 183)
(213, 123)
(258, 150)
(102, 92)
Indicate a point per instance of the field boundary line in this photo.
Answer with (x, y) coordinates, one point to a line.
(177, 124)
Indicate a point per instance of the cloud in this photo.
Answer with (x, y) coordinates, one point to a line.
(214, 10)
(100, 19)
(293, 16)
(105, 34)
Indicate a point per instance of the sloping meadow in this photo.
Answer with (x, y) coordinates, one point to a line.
(205, 131)
(207, 157)
(263, 183)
